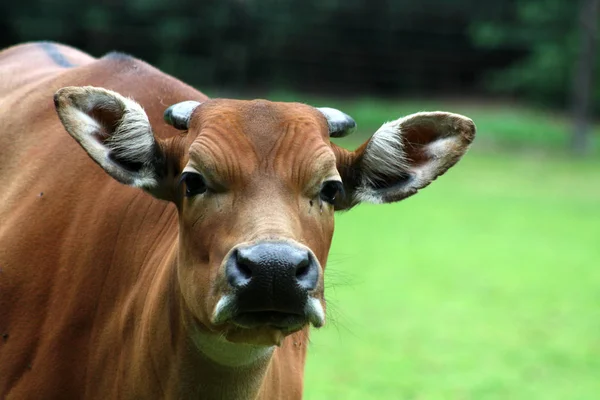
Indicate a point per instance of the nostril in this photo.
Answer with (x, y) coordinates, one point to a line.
(238, 270)
(307, 273)
(303, 269)
(244, 270)
(245, 263)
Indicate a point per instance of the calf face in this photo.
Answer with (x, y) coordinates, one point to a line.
(256, 184)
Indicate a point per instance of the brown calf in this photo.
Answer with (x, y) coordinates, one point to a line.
(180, 259)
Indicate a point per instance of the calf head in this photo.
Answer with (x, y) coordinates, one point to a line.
(256, 184)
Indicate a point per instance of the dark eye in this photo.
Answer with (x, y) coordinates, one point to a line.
(330, 191)
(194, 183)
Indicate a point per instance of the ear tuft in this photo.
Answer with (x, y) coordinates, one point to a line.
(384, 158)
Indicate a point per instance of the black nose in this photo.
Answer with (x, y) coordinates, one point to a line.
(272, 275)
(272, 261)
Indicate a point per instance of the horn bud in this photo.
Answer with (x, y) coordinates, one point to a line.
(179, 115)
(340, 124)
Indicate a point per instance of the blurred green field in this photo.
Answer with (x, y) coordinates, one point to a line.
(486, 285)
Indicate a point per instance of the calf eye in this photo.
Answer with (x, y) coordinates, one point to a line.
(330, 191)
(194, 183)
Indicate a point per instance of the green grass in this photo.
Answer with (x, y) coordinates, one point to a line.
(486, 285)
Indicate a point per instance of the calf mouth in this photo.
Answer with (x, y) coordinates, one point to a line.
(286, 321)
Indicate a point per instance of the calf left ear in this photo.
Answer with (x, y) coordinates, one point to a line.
(402, 157)
(115, 132)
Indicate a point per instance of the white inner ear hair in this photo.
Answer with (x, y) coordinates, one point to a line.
(132, 140)
(384, 157)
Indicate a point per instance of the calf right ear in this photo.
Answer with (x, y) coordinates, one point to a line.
(115, 132)
(402, 157)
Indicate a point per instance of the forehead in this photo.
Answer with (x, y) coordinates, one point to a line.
(251, 110)
(263, 129)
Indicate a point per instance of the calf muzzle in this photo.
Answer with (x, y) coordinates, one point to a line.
(272, 282)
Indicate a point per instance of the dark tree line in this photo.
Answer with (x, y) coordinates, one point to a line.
(526, 48)
(378, 46)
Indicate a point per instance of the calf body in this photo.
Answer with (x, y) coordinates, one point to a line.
(179, 259)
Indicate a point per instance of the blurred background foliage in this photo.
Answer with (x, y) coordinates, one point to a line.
(547, 33)
(523, 48)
